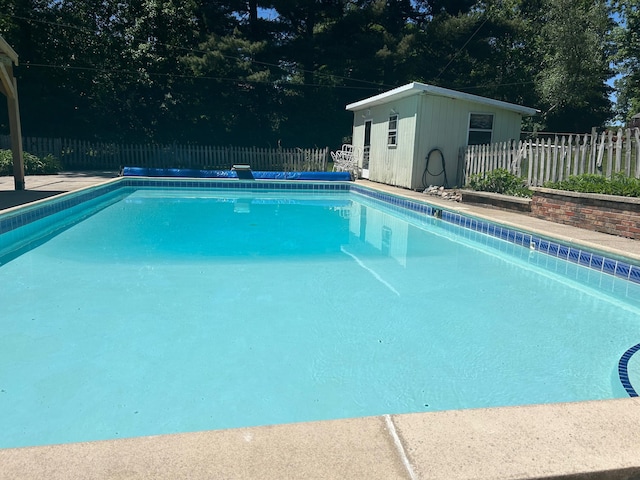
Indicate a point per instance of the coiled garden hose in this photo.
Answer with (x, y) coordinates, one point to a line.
(426, 169)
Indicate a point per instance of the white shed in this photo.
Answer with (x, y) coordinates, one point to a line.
(402, 130)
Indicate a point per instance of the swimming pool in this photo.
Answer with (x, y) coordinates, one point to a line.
(147, 307)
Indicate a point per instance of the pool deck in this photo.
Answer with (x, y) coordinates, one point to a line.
(591, 440)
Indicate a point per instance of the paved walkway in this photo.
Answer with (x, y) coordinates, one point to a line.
(595, 440)
(44, 186)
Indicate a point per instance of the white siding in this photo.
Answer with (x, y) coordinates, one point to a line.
(391, 165)
(443, 124)
(425, 121)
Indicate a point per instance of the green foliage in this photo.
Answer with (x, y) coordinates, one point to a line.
(500, 180)
(627, 58)
(574, 44)
(33, 165)
(620, 184)
(279, 72)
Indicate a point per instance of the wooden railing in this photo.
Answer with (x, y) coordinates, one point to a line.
(551, 160)
(83, 155)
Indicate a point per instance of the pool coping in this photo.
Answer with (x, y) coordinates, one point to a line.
(595, 439)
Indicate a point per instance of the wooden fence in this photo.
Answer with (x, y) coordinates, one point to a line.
(551, 160)
(82, 155)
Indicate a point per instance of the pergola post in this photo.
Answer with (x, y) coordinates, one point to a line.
(9, 87)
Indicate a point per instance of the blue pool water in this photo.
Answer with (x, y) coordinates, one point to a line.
(171, 310)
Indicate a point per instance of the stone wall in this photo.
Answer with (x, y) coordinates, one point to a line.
(602, 213)
(496, 200)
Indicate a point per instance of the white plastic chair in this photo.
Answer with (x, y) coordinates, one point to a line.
(346, 159)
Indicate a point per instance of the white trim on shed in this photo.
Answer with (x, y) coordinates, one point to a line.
(417, 87)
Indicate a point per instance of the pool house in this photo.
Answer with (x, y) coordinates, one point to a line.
(411, 136)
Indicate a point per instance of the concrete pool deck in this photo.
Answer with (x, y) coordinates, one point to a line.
(594, 440)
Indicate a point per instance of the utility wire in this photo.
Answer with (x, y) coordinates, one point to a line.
(374, 85)
(462, 48)
(196, 77)
(194, 50)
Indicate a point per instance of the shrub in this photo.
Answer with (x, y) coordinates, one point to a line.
(620, 184)
(33, 165)
(502, 181)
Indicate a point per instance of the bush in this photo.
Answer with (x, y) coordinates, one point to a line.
(48, 165)
(620, 184)
(500, 181)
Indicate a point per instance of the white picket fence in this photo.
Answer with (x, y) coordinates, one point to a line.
(552, 160)
(87, 155)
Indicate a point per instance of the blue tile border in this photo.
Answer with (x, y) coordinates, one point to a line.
(29, 214)
(572, 254)
(415, 208)
(623, 373)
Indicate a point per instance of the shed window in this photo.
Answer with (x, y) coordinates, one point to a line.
(480, 128)
(393, 130)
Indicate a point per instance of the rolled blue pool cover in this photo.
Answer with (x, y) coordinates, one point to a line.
(193, 173)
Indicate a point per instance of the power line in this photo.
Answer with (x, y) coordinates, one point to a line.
(462, 48)
(194, 50)
(374, 85)
(27, 64)
(511, 84)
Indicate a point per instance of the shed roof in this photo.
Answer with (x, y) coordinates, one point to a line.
(415, 88)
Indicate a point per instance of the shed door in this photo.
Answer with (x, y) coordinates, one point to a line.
(366, 148)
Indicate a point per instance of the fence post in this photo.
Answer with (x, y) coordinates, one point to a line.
(583, 154)
(549, 160)
(536, 161)
(593, 155)
(576, 154)
(627, 147)
(619, 151)
(610, 153)
(515, 158)
(637, 138)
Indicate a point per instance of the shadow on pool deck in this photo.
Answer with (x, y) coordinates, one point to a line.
(15, 198)
(45, 186)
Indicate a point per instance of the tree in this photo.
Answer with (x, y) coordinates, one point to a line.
(627, 58)
(217, 72)
(574, 47)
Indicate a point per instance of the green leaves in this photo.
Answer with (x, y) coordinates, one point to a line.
(500, 180)
(627, 58)
(573, 45)
(33, 165)
(620, 184)
(226, 72)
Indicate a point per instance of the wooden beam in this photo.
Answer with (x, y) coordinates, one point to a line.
(16, 138)
(7, 83)
(6, 49)
(8, 57)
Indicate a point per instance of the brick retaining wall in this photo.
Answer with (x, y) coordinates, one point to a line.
(602, 213)
(496, 200)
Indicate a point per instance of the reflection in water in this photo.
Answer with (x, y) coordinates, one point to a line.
(371, 271)
(386, 240)
(386, 233)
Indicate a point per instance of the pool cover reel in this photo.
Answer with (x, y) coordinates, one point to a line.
(192, 173)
